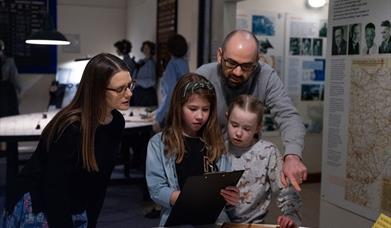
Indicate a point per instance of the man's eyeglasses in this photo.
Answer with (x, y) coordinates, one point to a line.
(122, 89)
(232, 64)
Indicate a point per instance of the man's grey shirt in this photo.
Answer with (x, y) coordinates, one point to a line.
(265, 84)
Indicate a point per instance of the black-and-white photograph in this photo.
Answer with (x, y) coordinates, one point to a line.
(294, 46)
(317, 47)
(312, 92)
(339, 45)
(306, 46)
(354, 39)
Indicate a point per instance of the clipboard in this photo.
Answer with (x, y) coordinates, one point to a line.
(200, 201)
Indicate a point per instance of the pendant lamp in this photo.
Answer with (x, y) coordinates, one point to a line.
(47, 36)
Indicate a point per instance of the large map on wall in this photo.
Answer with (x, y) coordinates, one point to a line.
(368, 169)
(356, 157)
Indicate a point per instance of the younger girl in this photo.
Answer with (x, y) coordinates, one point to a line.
(190, 144)
(64, 183)
(262, 163)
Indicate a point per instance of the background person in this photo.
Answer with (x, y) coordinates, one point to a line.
(123, 48)
(65, 181)
(262, 163)
(190, 144)
(238, 71)
(176, 67)
(9, 84)
(145, 77)
(370, 33)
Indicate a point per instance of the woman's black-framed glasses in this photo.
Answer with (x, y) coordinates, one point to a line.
(122, 89)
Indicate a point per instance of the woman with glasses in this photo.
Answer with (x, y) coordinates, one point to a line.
(65, 181)
(238, 71)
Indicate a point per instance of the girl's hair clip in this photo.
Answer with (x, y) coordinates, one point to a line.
(194, 86)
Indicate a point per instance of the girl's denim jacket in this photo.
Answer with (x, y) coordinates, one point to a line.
(161, 174)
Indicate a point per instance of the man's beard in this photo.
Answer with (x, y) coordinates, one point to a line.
(227, 80)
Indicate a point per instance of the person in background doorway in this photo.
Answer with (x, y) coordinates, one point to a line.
(370, 33)
(385, 46)
(64, 183)
(175, 69)
(145, 77)
(9, 84)
(262, 163)
(124, 47)
(190, 144)
(238, 71)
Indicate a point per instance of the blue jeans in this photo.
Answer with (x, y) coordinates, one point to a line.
(23, 216)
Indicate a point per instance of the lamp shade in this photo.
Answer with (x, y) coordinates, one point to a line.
(316, 3)
(48, 36)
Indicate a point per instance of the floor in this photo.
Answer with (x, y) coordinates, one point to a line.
(123, 205)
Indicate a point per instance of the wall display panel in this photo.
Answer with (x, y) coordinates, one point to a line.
(356, 169)
(18, 20)
(305, 67)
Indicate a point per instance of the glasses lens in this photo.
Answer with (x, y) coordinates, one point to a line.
(230, 64)
(248, 67)
(132, 85)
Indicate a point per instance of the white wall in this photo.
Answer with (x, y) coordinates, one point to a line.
(332, 216)
(188, 27)
(99, 23)
(140, 23)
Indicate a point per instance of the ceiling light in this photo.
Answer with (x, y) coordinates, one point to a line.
(316, 3)
(48, 35)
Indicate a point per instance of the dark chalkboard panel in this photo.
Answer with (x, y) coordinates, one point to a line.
(166, 27)
(20, 18)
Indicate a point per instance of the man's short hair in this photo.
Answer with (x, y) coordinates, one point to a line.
(232, 33)
(177, 45)
(386, 23)
(369, 26)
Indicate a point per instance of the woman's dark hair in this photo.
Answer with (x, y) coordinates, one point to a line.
(88, 107)
(177, 46)
(123, 46)
(151, 46)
